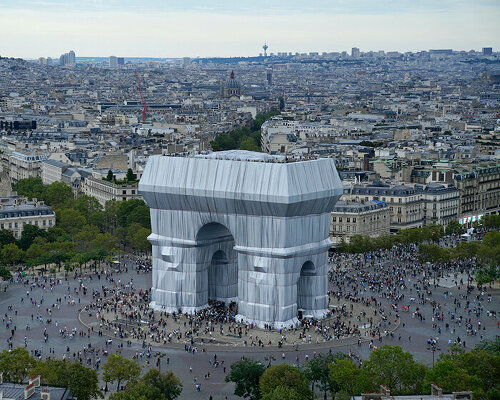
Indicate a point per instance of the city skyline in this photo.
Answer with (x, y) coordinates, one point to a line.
(176, 29)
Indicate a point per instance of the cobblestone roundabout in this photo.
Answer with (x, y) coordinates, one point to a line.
(58, 318)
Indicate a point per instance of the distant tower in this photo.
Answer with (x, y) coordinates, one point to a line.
(265, 47)
(269, 76)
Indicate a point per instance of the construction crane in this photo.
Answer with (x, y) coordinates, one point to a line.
(144, 105)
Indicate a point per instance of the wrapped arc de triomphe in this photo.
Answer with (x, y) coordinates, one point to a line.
(244, 227)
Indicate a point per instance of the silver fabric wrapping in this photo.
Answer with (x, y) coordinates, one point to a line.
(246, 231)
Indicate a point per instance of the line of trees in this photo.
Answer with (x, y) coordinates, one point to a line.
(18, 364)
(84, 231)
(363, 244)
(336, 374)
(486, 252)
(244, 138)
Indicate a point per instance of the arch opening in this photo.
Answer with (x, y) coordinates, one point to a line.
(219, 263)
(305, 289)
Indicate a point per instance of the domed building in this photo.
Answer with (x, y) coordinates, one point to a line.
(231, 88)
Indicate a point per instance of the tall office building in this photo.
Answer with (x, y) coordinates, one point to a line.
(186, 61)
(487, 51)
(355, 52)
(113, 62)
(120, 61)
(67, 58)
(42, 61)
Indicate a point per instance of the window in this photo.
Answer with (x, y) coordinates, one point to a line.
(124, 192)
(348, 228)
(354, 220)
(354, 228)
(340, 219)
(334, 219)
(348, 219)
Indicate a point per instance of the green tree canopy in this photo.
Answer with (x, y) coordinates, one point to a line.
(16, 364)
(316, 370)
(130, 175)
(153, 385)
(30, 187)
(453, 228)
(346, 377)
(11, 254)
(57, 193)
(6, 237)
(246, 373)
(84, 382)
(70, 220)
(120, 369)
(396, 369)
(451, 378)
(30, 233)
(287, 376)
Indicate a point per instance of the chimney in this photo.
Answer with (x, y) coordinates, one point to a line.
(385, 391)
(436, 390)
(29, 391)
(45, 394)
(35, 380)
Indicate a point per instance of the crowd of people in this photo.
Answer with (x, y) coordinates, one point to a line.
(368, 295)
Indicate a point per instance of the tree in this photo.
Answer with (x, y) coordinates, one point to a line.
(432, 253)
(345, 377)
(6, 237)
(30, 233)
(125, 208)
(130, 175)
(89, 207)
(138, 237)
(53, 372)
(120, 369)
(70, 220)
(287, 376)
(105, 242)
(283, 393)
(140, 215)
(453, 228)
(16, 364)
(451, 378)
(153, 385)
(396, 369)
(30, 187)
(110, 176)
(11, 254)
(33, 255)
(5, 273)
(85, 237)
(490, 346)
(246, 373)
(489, 251)
(57, 193)
(483, 365)
(316, 370)
(84, 382)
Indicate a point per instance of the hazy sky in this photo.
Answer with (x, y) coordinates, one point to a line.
(176, 28)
